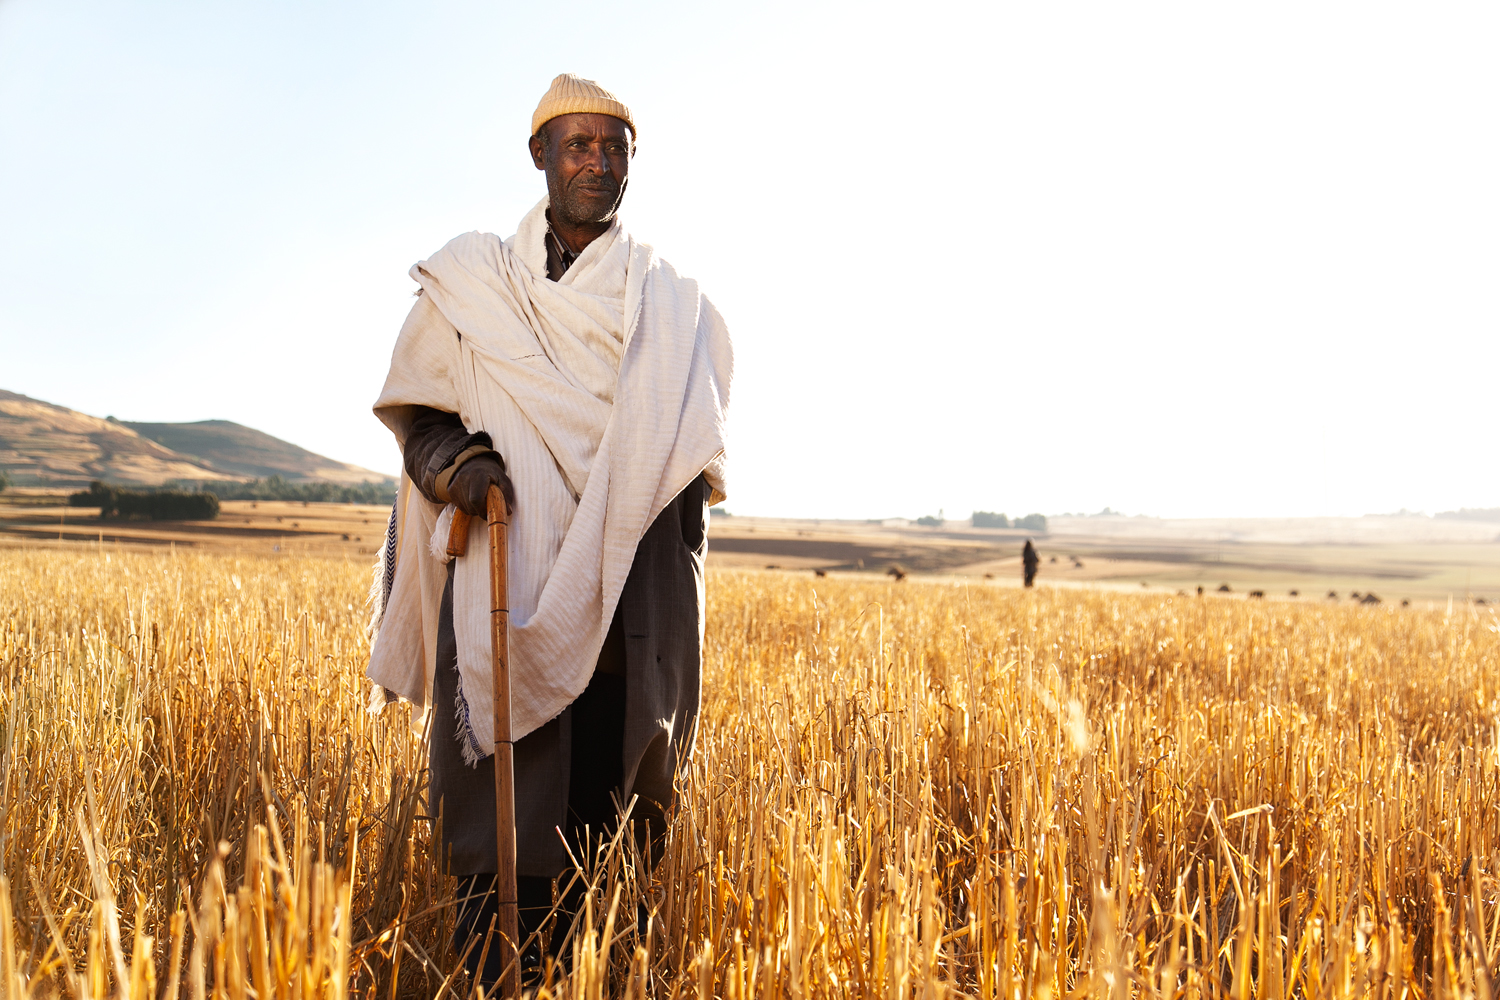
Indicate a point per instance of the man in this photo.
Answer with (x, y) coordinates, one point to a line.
(1029, 562)
(577, 371)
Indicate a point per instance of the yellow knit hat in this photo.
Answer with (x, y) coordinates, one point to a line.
(571, 94)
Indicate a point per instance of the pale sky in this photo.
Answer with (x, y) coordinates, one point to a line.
(1180, 259)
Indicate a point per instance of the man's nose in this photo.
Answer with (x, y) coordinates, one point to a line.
(598, 162)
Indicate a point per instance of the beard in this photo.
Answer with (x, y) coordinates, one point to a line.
(580, 204)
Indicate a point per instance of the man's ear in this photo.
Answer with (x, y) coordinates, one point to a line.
(537, 149)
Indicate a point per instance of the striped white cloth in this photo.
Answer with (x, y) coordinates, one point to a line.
(606, 393)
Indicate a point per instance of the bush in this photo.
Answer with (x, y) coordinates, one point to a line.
(989, 519)
(162, 505)
(1031, 522)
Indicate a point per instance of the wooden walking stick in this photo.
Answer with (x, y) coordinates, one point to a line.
(505, 787)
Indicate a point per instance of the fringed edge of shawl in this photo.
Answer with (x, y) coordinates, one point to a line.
(463, 730)
(383, 575)
(382, 579)
(379, 698)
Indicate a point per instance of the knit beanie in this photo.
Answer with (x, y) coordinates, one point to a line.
(571, 94)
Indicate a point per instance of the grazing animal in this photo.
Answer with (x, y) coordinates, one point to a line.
(989, 576)
(1292, 593)
(1257, 593)
(897, 572)
(1405, 603)
(820, 572)
(1200, 590)
(1053, 559)
(1480, 600)
(1333, 595)
(1224, 588)
(1369, 599)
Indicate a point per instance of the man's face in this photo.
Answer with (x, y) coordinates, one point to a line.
(587, 160)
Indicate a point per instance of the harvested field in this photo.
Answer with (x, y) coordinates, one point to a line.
(1423, 560)
(1418, 559)
(913, 789)
(243, 526)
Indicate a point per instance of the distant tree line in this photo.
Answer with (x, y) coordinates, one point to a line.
(151, 505)
(1471, 514)
(276, 488)
(177, 502)
(989, 519)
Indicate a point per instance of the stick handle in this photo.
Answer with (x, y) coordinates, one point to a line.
(458, 534)
(505, 788)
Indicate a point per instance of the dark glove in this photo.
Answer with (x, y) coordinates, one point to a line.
(471, 484)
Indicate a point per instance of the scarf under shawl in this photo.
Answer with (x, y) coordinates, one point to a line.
(606, 394)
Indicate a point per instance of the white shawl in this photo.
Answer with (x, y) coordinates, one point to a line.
(606, 394)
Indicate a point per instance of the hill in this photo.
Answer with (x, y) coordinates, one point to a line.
(46, 445)
(244, 452)
(42, 444)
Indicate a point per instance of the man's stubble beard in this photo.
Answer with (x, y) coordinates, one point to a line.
(575, 211)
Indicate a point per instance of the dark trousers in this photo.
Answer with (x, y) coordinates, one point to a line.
(594, 780)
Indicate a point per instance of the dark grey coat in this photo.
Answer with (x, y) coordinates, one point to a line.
(662, 613)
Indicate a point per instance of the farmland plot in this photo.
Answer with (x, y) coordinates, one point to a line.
(899, 789)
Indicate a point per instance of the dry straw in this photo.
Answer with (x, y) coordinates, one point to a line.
(900, 789)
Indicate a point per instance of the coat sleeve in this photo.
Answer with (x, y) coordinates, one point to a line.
(434, 439)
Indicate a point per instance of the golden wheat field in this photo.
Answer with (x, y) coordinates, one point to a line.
(900, 790)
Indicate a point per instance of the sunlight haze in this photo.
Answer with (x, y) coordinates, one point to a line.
(1177, 259)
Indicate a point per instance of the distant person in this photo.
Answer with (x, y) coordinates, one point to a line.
(1029, 562)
